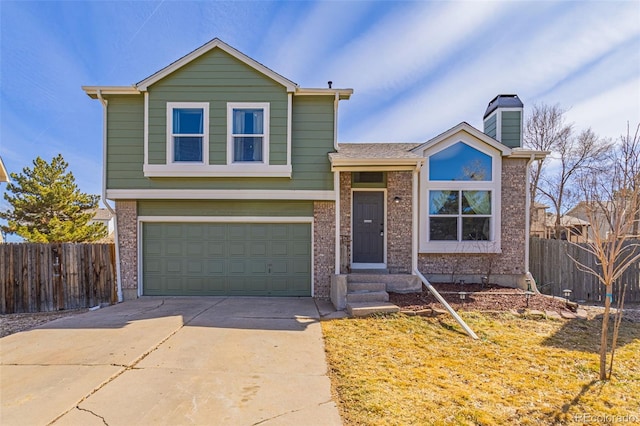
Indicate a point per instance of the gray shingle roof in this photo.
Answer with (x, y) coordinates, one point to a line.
(347, 151)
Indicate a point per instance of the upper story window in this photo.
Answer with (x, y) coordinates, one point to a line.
(460, 162)
(460, 209)
(248, 133)
(188, 132)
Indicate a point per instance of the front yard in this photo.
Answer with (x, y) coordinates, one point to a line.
(401, 370)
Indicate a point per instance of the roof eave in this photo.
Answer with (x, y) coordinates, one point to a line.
(528, 153)
(342, 93)
(92, 91)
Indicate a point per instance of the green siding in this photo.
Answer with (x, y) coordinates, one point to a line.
(224, 208)
(490, 126)
(223, 259)
(125, 135)
(511, 128)
(218, 78)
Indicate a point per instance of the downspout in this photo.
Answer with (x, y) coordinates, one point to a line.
(336, 183)
(336, 188)
(335, 121)
(527, 223)
(105, 103)
(414, 220)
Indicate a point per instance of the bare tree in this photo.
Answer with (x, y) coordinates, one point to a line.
(577, 155)
(612, 201)
(544, 130)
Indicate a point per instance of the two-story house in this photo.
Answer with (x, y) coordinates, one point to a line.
(228, 180)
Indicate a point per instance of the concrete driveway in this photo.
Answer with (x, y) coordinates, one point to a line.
(172, 360)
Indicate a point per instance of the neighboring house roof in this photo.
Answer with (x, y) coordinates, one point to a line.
(352, 155)
(216, 43)
(565, 220)
(102, 214)
(4, 176)
(540, 206)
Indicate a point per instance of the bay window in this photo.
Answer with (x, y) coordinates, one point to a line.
(460, 203)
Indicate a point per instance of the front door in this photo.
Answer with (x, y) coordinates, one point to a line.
(368, 227)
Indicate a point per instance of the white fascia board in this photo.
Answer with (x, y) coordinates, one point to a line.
(342, 93)
(231, 170)
(464, 127)
(219, 194)
(227, 219)
(216, 43)
(92, 91)
(528, 153)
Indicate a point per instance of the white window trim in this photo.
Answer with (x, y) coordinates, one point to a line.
(265, 137)
(171, 163)
(494, 185)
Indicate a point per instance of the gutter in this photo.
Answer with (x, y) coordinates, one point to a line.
(105, 103)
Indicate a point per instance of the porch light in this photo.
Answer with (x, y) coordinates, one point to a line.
(567, 293)
(396, 199)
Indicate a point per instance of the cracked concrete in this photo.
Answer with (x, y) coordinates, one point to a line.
(172, 361)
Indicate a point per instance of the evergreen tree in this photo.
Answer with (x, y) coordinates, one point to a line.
(47, 205)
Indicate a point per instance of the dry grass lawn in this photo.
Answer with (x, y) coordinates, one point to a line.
(400, 370)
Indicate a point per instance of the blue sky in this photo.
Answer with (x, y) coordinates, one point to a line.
(417, 68)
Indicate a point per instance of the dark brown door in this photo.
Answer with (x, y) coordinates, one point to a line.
(368, 227)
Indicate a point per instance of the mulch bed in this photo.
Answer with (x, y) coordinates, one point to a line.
(478, 298)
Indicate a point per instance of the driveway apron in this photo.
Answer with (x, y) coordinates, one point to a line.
(171, 360)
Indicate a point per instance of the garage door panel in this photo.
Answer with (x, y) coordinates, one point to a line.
(174, 231)
(279, 248)
(227, 259)
(215, 267)
(215, 248)
(238, 249)
(258, 248)
(174, 266)
(173, 248)
(301, 249)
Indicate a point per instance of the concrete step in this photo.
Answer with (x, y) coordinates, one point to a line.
(367, 296)
(359, 287)
(372, 271)
(365, 309)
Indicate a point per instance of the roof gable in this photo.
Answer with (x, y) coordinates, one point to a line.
(216, 43)
(463, 128)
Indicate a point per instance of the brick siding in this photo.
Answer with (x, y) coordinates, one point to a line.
(399, 222)
(324, 246)
(127, 214)
(513, 239)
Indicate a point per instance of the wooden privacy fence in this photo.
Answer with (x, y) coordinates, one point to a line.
(51, 277)
(553, 270)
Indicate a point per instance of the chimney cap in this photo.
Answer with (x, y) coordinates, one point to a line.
(503, 101)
